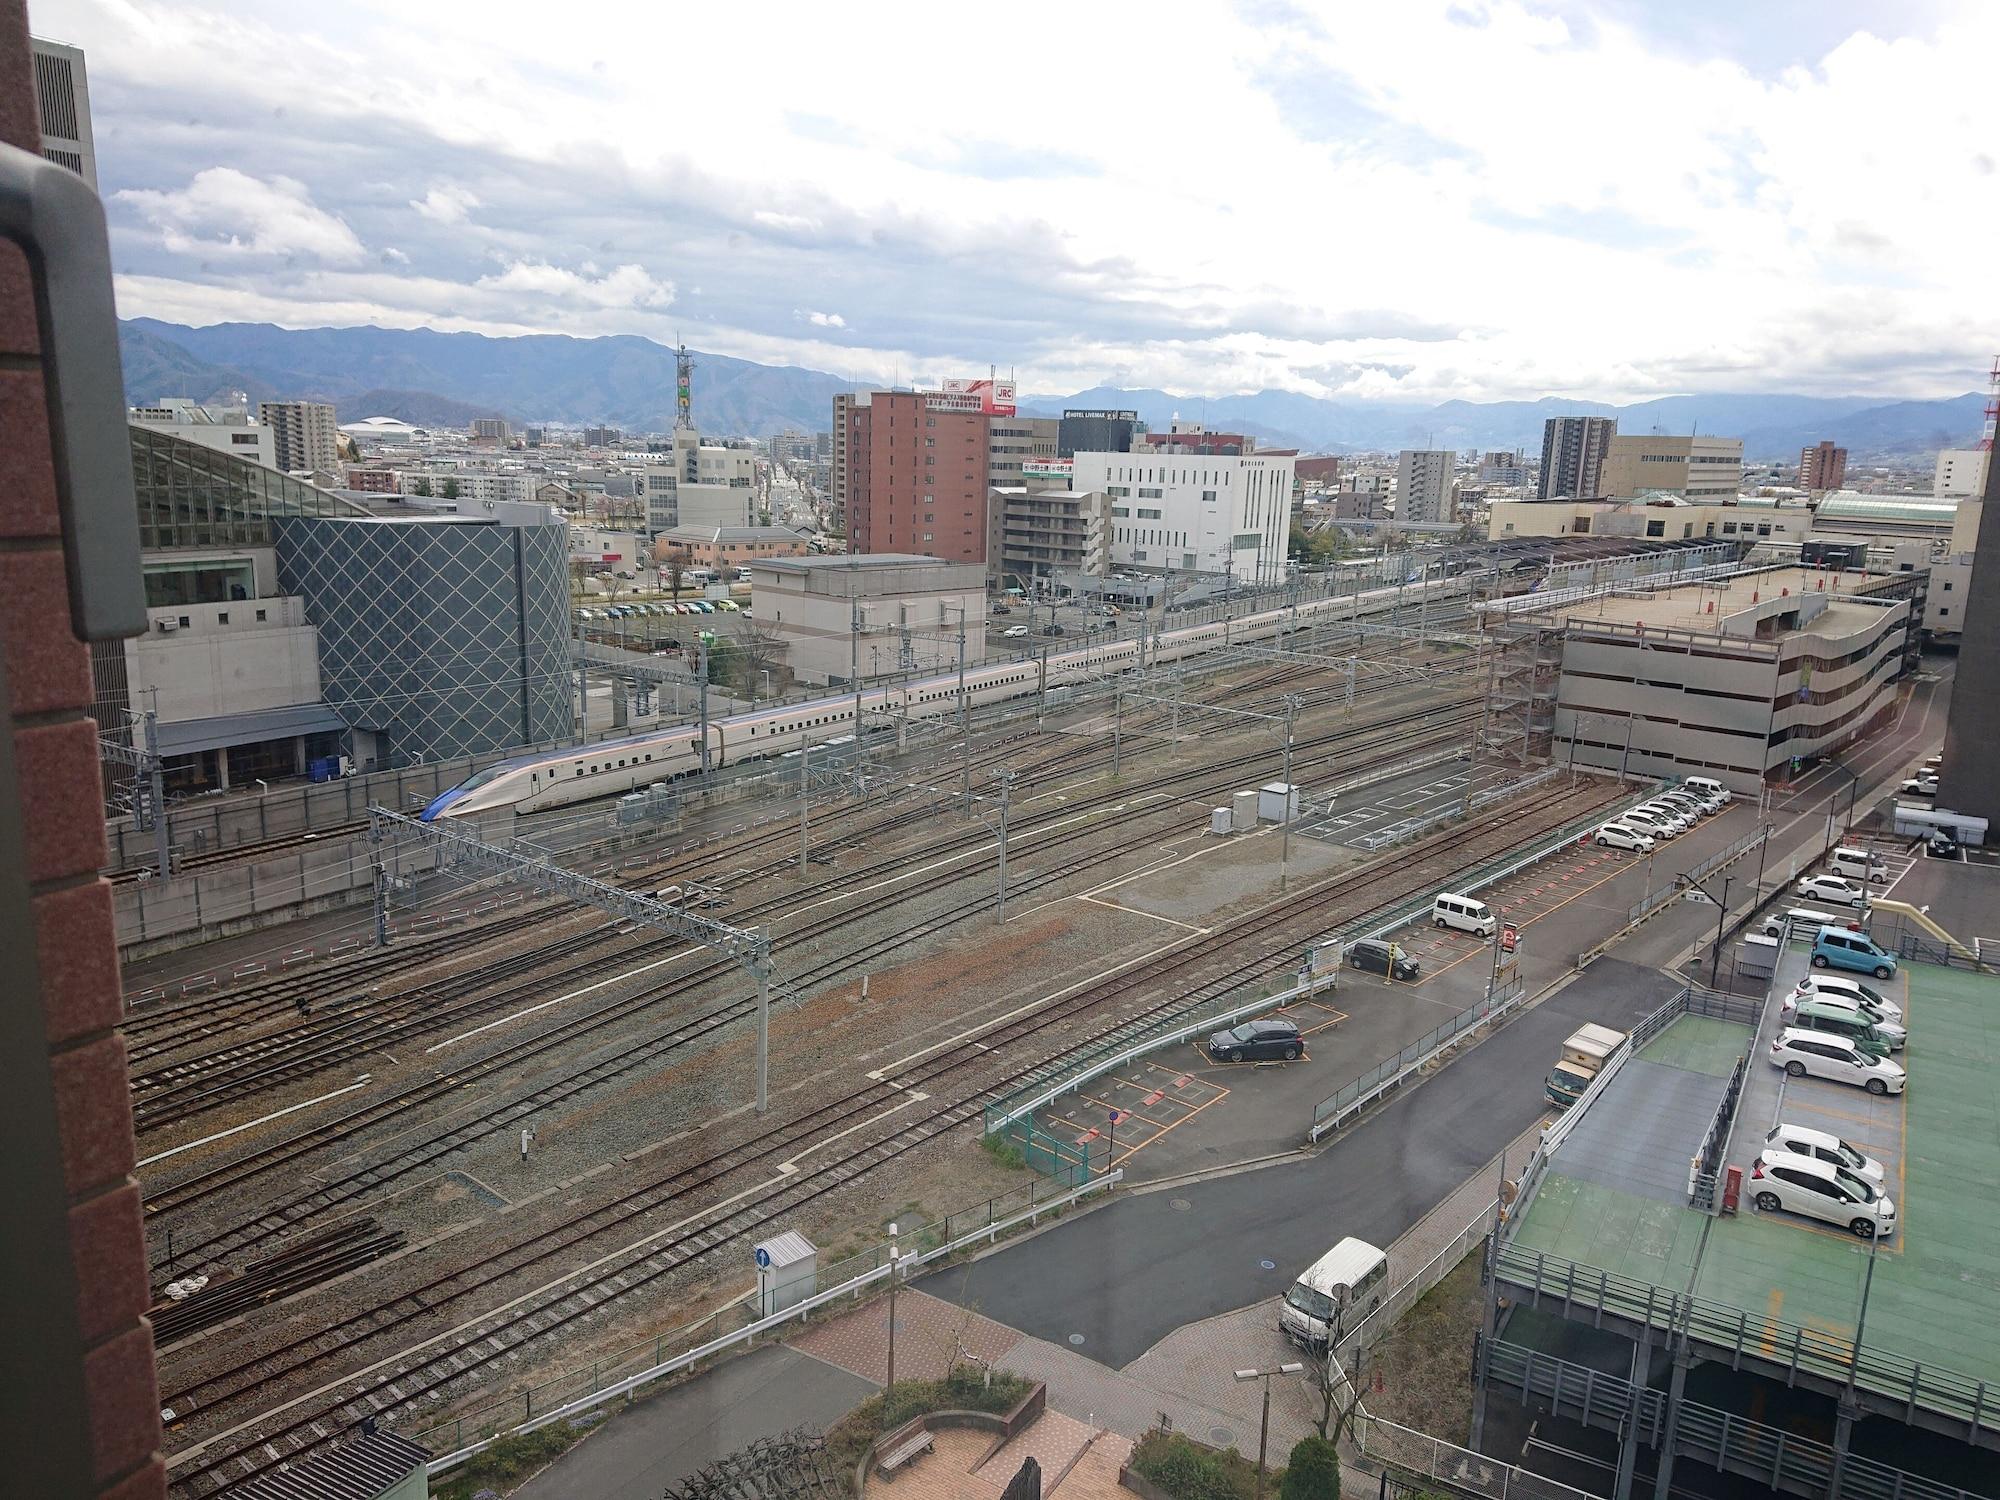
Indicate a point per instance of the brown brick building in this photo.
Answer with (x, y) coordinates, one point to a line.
(77, 1367)
(916, 478)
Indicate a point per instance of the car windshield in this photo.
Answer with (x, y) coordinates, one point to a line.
(1313, 1304)
(1244, 1033)
(1861, 1189)
(1849, 1157)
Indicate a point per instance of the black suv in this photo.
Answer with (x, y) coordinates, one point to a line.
(1373, 955)
(1257, 1039)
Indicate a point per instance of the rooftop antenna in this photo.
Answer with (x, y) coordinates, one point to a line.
(683, 387)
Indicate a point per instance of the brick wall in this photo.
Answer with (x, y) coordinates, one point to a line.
(55, 748)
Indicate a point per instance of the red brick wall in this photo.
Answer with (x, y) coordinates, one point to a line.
(55, 747)
(888, 479)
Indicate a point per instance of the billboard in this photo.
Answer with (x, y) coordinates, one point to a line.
(994, 397)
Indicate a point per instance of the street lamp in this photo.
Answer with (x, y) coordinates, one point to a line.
(1264, 1429)
(890, 1384)
(1684, 882)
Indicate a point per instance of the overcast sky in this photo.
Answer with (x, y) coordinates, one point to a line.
(1609, 200)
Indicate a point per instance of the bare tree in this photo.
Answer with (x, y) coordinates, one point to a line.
(758, 651)
(673, 562)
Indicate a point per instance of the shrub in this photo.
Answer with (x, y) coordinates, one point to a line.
(1312, 1472)
(964, 1389)
(509, 1459)
(1188, 1470)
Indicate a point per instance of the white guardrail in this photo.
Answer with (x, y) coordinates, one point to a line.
(689, 1357)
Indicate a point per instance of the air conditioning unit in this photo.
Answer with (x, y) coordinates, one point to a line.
(168, 624)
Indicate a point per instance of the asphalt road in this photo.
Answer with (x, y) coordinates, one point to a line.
(1125, 1276)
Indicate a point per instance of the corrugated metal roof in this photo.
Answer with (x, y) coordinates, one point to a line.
(364, 1469)
(1854, 506)
(187, 736)
(788, 1249)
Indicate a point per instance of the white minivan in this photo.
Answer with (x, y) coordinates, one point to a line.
(1336, 1292)
(1707, 786)
(1465, 914)
(1863, 865)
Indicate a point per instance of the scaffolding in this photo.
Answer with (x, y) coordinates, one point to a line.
(1524, 669)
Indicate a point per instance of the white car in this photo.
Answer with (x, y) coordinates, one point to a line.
(1685, 803)
(1661, 825)
(1840, 986)
(1890, 1031)
(1821, 1190)
(1823, 1055)
(1802, 1140)
(1835, 888)
(1624, 836)
(1014, 632)
(1920, 786)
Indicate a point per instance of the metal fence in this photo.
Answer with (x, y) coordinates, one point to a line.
(1357, 1094)
(1377, 1324)
(1461, 1469)
(622, 1375)
(1654, 900)
(1707, 1160)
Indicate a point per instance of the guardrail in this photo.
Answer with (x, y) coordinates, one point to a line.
(1378, 1323)
(1653, 901)
(1460, 1470)
(1707, 1161)
(663, 1368)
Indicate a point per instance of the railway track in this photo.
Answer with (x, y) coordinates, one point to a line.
(253, 849)
(460, 1354)
(181, 1086)
(278, 1219)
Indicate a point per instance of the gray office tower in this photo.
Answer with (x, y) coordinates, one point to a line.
(1096, 432)
(1968, 782)
(1573, 450)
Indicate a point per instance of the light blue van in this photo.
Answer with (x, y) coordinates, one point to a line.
(1843, 948)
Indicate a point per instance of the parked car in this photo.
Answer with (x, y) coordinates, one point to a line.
(1820, 1190)
(1835, 1019)
(1686, 802)
(1844, 948)
(1253, 1041)
(1001, 609)
(1659, 823)
(1838, 986)
(1378, 957)
(1835, 888)
(1941, 845)
(1920, 786)
(1680, 817)
(1015, 633)
(1053, 630)
(1803, 1140)
(1624, 836)
(1815, 1054)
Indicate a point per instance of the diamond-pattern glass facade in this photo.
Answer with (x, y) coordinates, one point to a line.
(446, 637)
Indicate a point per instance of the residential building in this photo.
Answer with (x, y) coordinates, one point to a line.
(1505, 469)
(1382, 485)
(464, 487)
(305, 435)
(1573, 450)
(1013, 441)
(1040, 533)
(62, 90)
(1097, 430)
(1694, 468)
(1195, 513)
(916, 476)
(601, 437)
(1738, 679)
(227, 429)
(729, 547)
(373, 479)
(1423, 485)
(1361, 505)
(890, 612)
(1960, 472)
(844, 403)
(83, 1398)
(1822, 466)
(487, 430)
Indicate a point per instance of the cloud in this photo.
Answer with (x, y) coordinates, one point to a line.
(446, 204)
(391, 256)
(627, 286)
(820, 319)
(224, 212)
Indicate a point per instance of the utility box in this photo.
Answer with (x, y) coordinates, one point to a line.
(787, 1272)
(1243, 810)
(1278, 802)
(1219, 821)
(1757, 955)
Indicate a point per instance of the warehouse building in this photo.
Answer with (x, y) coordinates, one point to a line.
(871, 615)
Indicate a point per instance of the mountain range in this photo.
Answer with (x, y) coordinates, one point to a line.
(446, 379)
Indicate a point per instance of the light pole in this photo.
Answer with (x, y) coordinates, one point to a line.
(1683, 882)
(1264, 1428)
(890, 1384)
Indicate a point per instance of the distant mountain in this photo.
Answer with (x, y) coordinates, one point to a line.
(625, 380)
(447, 378)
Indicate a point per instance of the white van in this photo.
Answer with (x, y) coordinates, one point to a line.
(1804, 921)
(1706, 786)
(1465, 914)
(1336, 1292)
(1858, 864)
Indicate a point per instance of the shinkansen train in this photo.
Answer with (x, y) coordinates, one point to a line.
(555, 778)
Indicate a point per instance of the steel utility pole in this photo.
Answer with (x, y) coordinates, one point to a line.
(854, 659)
(1293, 703)
(157, 789)
(964, 717)
(762, 971)
(381, 883)
(805, 804)
(1006, 779)
(1117, 726)
(702, 654)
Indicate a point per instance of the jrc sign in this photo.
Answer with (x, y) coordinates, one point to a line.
(994, 397)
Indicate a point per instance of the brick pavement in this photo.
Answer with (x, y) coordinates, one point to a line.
(931, 1336)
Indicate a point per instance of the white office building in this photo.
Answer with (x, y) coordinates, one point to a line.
(1423, 485)
(699, 484)
(1961, 472)
(1195, 512)
(227, 429)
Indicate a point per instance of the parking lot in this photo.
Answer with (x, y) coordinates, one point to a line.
(1383, 814)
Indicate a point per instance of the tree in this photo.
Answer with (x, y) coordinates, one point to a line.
(673, 562)
(422, 488)
(450, 490)
(758, 651)
(1312, 1472)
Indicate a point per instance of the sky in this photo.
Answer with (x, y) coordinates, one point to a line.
(1405, 201)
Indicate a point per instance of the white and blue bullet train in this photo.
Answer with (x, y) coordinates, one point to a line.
(555, 778)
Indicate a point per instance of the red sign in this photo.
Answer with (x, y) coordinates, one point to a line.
(994, 397)
(1509, 936)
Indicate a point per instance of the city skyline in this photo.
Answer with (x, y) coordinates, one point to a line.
(1480, 202)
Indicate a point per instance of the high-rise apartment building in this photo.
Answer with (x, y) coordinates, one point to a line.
(63, 93)
(838, 443)
(305, 435)
(916, 468)
(1961, 472)
(1014, 441)
(488, 430)
(1195, 513)
(1423, 485)
(1573, 450)
(1693, 468)
(1822, 466)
